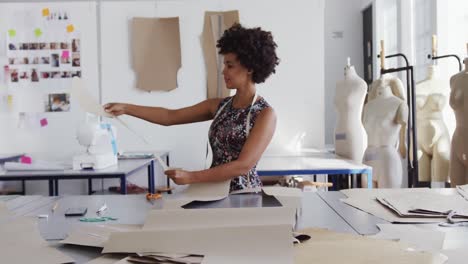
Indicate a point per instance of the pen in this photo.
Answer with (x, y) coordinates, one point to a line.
(55, 207)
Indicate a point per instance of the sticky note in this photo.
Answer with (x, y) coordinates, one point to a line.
(66, 54)
(45, 12)
(10, 100)
(12, 32)
(38, 32)
(26, 160)
(44, 122)
(70, 28)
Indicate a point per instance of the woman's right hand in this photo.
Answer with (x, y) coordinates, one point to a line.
(116, 109)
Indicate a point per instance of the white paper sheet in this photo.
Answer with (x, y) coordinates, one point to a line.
(217, 217)
(272, 242)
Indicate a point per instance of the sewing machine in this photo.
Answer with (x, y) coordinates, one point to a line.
(99, 140)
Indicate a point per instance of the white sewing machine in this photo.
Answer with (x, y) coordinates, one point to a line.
(100, 142)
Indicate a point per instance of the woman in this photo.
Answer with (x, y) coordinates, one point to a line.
(243, 124)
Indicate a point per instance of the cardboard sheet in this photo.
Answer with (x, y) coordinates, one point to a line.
(270, 242)
(217, 217)
(331, 247)
(416, 237)
(156, 52)
(93, 235)
(211, 191)
(214, 25)
(24, 231)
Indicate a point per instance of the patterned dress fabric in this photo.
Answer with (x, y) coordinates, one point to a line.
(227, 136)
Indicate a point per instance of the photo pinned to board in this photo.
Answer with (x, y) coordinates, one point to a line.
(59, 102)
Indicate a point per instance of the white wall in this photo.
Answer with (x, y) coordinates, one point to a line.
(346, 17)
(296, 91)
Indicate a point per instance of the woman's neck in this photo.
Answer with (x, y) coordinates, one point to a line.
(243, 97)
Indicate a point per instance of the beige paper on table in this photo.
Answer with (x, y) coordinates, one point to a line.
(416, 237)
(156, 52)
(33, 249)
(217, 217)
(330, 247)
(214, 25)
(210, 191)
(95, 235)
(273, 243)
(106, 259)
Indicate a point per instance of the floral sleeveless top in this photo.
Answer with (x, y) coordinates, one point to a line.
(227, 136)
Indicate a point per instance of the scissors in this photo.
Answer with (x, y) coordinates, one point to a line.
(452, 222)
(153, 196)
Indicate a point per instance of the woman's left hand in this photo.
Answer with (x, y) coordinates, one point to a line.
(180, 177)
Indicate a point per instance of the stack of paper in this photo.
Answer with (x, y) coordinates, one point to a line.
(426, 204)
(330, 247)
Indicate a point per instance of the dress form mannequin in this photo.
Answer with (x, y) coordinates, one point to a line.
(385, 118)
(350, 135)
(433, 135)
(459, 151)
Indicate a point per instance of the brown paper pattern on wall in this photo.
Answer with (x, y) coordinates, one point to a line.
(214, 25)
(156, 53)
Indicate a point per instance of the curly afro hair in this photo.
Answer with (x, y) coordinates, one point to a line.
(255, 49)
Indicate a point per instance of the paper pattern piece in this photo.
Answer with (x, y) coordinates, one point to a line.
(21, 242)
(156, 53)
(210, 191)
(330, 247)
(214, 25)
(415, 236)
(178, 219)
(272, 244)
